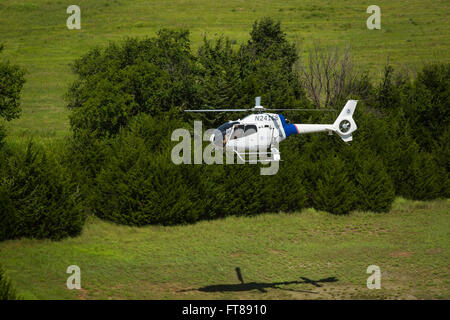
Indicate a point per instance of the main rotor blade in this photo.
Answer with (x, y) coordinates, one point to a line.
(219, 110)
(300, 110)
(258, 110)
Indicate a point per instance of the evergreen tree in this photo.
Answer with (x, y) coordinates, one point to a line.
(374, 188)
(11, 83)
(334, 191)
(285, 191)
(220, 80)
(427, 182)
(36, 198)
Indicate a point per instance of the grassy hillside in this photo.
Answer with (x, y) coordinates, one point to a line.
(37, 38)
(311, 255)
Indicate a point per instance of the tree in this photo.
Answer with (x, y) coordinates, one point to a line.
(220, 80)
(428, 179)
(261, 67)
(37, 200)
(11, 82)
(334, 190)
(266, 63)
(427, 105)
(114, 84)
(330, 76)
(267, 40)
(374, 188)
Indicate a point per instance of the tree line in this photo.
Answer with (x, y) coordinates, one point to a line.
(129, 96)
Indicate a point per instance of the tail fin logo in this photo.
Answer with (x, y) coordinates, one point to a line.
(344, 125)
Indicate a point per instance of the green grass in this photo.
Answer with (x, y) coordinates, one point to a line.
(410, 245)
(36, 37)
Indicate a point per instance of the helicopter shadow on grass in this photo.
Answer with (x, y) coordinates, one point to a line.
(261, 286)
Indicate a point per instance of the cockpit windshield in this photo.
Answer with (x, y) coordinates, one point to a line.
(223, 128)
(223, 132)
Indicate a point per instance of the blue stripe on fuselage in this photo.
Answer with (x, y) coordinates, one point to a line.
(289, 129)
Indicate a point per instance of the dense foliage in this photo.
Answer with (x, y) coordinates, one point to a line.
(36, 198)
(11, 82)
(128, 98)
(122, 144)
(139, 76)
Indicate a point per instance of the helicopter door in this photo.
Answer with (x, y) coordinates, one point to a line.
(243, 137)
(265, 135)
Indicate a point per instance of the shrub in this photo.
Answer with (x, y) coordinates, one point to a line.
(427, 104)
(138, 186)
(243, 194)
(37, 200)
(286, 190)
(374, 188)
(11, 82)
(7, 292)
(138, 183)
(118, 82)
(263, 66)
(334, 191)
(441, 154)
(428, 180)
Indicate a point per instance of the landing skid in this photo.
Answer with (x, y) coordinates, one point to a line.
(262, 156)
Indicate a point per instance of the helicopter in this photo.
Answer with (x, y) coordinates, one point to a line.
(257, 133)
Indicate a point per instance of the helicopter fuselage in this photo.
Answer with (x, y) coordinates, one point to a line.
(254, 132)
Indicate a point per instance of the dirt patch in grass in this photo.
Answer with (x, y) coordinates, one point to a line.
(83, 294)
(403, 254)
(435, 251)
(235, 254)
(277, 252)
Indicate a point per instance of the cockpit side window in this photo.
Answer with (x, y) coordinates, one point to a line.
(250, 129)
(222, 133)
(238, 132)
(241, 131)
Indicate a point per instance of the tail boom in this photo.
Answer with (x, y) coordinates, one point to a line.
(313, 128)
(344, 125)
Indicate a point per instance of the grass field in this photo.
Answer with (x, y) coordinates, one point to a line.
(36, 37)
(306, 255)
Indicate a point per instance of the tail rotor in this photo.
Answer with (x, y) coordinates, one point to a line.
(344, 125)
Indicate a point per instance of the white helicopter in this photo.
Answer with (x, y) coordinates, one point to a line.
(263, 131)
